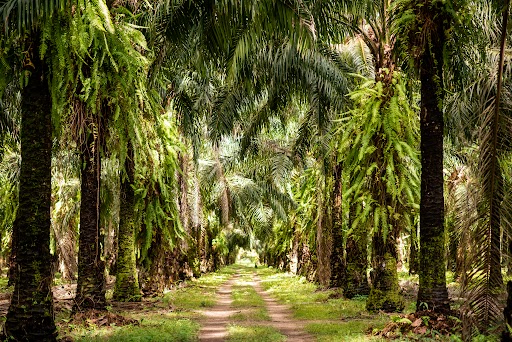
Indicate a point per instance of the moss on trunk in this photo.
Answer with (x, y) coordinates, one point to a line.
(356, 280)
(385, 292)
(30, 316)
(91, 269)
(432, 292)
(127, 283)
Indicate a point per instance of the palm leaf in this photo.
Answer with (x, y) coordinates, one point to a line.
(484, 280)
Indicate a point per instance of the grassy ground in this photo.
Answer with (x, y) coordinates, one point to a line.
(173, 317)
(251, 306)
(254, 333)
(327, 317)
(176, 316)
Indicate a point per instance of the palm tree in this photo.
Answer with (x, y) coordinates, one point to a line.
(30, 315)
(370, 22)
(224, 35)
(432, 293)
(480, 108)
(427, 39)
(103, 71)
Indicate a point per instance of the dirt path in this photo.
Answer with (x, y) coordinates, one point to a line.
(281, 316)
(214, 327)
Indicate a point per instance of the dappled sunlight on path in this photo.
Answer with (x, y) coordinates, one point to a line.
(214, 328)
(281, 316)
(218, 318)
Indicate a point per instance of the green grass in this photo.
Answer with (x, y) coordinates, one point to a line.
(331, 309)
(250, 315)
(254, 333)
(246, 296)
(198, 293)
(344, 331)
(151, 329)
(251, 304)
(173, 318)
(308, 302)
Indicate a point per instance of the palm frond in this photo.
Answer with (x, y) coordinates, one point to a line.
(24, 15)
(484, 280)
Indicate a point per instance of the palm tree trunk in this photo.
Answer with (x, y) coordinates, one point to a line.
(432, 292)
(30, 316)
(295, 252)
(322, 243)
(356, 281)
(413, 252)
(91, 278)
(337, 257)
(385, 292)
(127, 283)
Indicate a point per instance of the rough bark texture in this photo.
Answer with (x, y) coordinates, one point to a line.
(337, 257)
(66, 249)
(307, 265)
(198, 225)
(30, 316)
(356, 281)
(191, 226)
(432, 274)
(322, 244)
(166, 268)
(413, 252)
(203, 250)
(295, 252)
(385, 292)
(12, 258)
(127, 283)
(91, 269)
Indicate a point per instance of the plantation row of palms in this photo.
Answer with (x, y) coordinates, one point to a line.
(153, 140)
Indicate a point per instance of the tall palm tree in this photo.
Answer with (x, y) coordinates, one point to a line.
(102, 71)
(30, 316)
(480, 107)
(425, 33)
(370, 22)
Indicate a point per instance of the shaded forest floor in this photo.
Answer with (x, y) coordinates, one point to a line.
(243, 303)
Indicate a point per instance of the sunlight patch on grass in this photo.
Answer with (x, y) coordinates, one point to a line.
(332, 309)
(191, 298)
(252, 314)
(254, 333)
(289, 288)
(246, 296)
(199, 293)
(346, 331)
(163, 329)
(3, 284)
